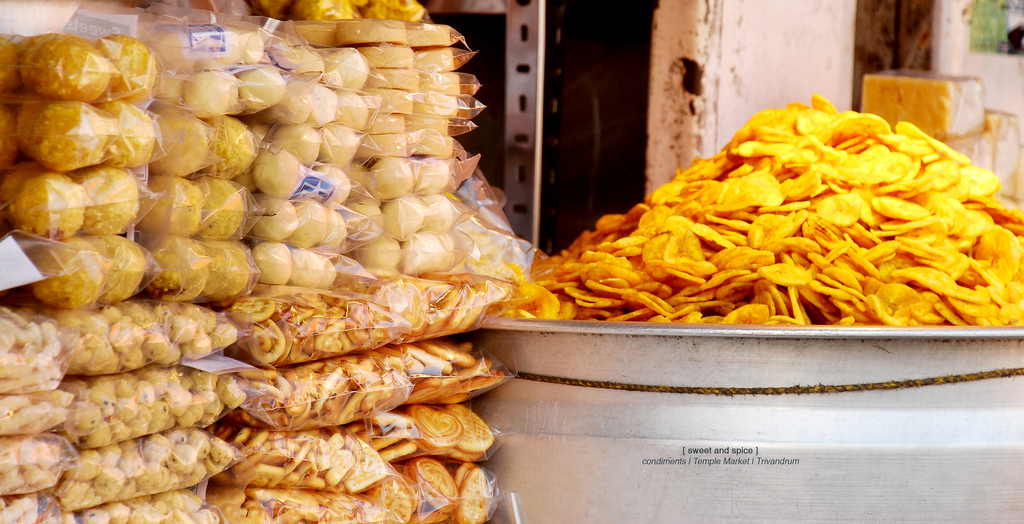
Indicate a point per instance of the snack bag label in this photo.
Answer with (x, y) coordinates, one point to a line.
(88, 24)
(18, 269)
(315, 186)
(209, 40)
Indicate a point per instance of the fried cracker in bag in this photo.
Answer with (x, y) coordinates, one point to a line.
(33, 462)
(328, 459)
(271, 506)
(329, 392)
(292, 325)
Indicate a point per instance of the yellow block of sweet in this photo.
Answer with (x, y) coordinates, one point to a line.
(942, 106)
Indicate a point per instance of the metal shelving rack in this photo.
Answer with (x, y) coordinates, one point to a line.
(524, 88)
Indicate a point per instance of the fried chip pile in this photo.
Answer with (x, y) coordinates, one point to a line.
(808, 216)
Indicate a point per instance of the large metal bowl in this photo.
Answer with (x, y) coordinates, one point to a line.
(858, 424)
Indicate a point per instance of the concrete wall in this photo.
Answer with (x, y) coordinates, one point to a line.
(714, 63)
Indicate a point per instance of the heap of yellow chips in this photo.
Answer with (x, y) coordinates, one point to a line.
(808, 216)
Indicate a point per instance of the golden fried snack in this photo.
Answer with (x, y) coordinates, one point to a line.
(76, 273)
(186, 140)
(232, 272)
(452, 431)
(178, 211)
(32, 463)
(129, 263)
(62, 66)
(446, 372)
(436, 487)
(31, 413)
(135, 333)
(112, 408)
(272, 506)
(65, 135)
(329, 392)
(113, 199)
(235, 146)
(185, 269)
(298, 325)
(397, 494)
(136, 68)
(10, 73)
(178, 506)
(136, 139)
(439, 304)
(451, 492)
(8, 135)
(37, 508)
(34, 351)
(226, 209)
(45, 203)
(329, 459)
(808, 216)
(172, 460)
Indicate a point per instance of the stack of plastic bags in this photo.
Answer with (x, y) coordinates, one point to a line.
(284, 193)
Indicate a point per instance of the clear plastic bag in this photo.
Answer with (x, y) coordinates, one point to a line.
(31, 508)
(233, 272)
(179, 506)
(227, 209)
(186, 140)
(329, 459)
(31, 413)
(292, 325)
(271, 506)
(43, 202)
(432, 35)
(139, 332)
(453, 431)
(457, 492)
(440, 304)
(318, 268)
(34, 351)
(138, 139)
(448, 82)
(175, 459)
(234, 144)
(329, 392)
(65, 135)
(440, 59)
(32, 463)
(112, 408)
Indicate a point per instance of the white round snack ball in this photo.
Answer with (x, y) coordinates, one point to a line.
(345, 67)
(261, 87)
(313, 223)
(337, 229)
(277, 172)
(279, 218)
(210, 93)
(309, 268)
(274, 261)
(353, 110)
(380, 256)
(427, 252)
(251, 44)
(301, 140)
(339, 144)
(392, 177)
(308, 61)
(341, 182)
(403, 216)
(324, 106)
(433, 176)
(440, 213)
(296, 106)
